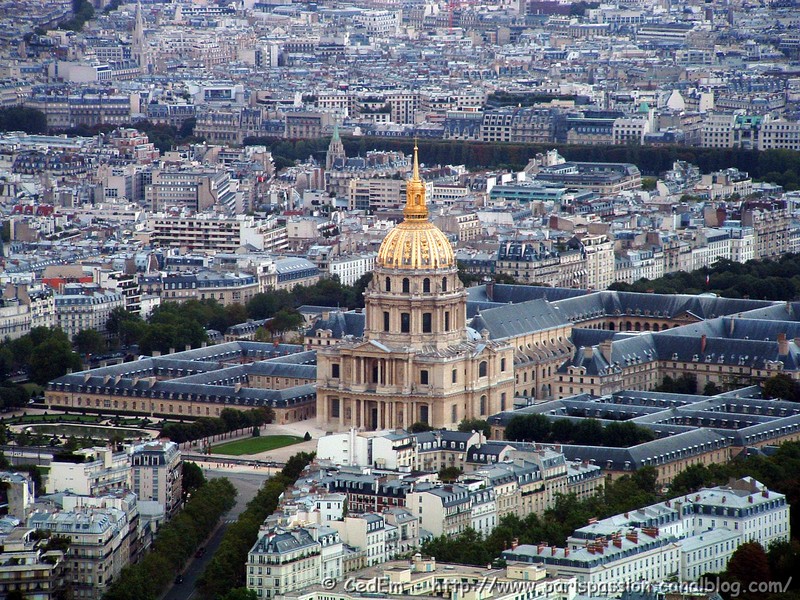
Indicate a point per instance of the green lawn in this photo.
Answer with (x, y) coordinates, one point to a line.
(255, 445)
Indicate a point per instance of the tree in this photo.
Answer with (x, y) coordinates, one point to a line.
(420, 427)
(284, 320)
(256, 431)
(749, 564)
(307, 437)
(779, 386)
(449, 474)
(528, 428)
(19, 118)
(480, 425)
(89, 341)
(52, 359)
(711, 389)
(192, 477)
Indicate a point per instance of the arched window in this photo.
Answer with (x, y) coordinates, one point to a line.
(406, 285)
(483, 405)
(444, 284)
(388, 284)
(426, 286)
(483, 369)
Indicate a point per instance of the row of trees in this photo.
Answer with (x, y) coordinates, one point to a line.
(175, 544)
(175, 326)
(224, 576)
(44, 353)
(777, 279)
(624, 494)
(229, 419)
(585, 432)
(779, 166)
(19, 118)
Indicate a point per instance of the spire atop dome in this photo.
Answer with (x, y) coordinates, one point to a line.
(416, 208)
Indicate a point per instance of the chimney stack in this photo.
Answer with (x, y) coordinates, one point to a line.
(703, 344)
(783, 345)
(605, 350)
(588, 352)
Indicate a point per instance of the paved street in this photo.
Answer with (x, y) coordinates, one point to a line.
(247, 484)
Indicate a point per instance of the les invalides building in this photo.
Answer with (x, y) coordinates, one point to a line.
(417, 360)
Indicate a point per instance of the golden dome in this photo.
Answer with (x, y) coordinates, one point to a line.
(416, 243)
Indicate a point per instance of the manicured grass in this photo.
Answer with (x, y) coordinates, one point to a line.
(255, 445)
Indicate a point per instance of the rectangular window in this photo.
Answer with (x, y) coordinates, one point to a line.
(427, 322)
(454, 413)
(454, 376)
(423, 377)
(405, 323)
(386, 321)
(335, 408)
(335, 370)
(502, 364)
(447, 320)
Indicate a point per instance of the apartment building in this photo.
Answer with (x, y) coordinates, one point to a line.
(100, 545)
(349, 269)
(26, 568)
(683, 537)
(225, 288)
(287, 560)
(207, 232)
(103, 471)
(370, 533)
(192, 189)
(779, 134)
(599, 253)
(442, 510)
(462, 226)
(80, 307)
(375, 193)
(538, 262)
(156, 470)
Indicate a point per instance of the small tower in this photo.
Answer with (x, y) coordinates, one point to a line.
(335, 149)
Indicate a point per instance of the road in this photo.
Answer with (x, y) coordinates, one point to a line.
(247, 484)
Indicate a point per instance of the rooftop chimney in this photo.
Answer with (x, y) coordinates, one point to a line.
(703, 344)
(588, 352)
(783, 345)
(605, 350)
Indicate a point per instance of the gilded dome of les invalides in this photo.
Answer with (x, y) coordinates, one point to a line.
(416, 243)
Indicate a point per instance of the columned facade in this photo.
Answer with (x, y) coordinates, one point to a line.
(417, 360)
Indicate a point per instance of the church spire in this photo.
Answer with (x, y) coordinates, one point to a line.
(416, 208)
(336, 154)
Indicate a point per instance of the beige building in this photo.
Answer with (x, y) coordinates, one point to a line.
(417, 360)
(599, 253)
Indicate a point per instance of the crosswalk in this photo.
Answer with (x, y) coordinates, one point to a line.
(229, 521)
